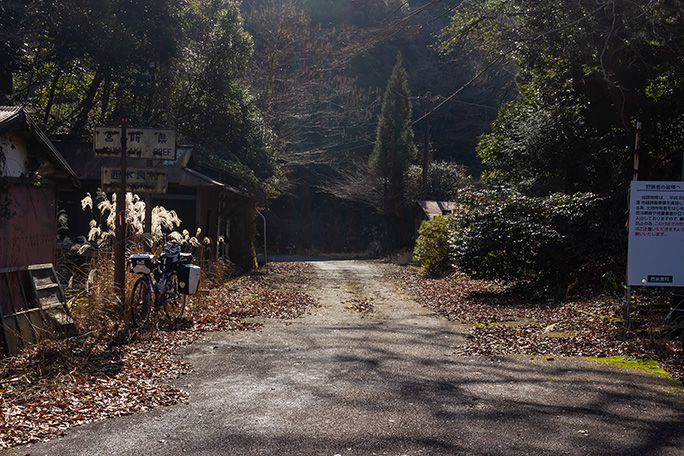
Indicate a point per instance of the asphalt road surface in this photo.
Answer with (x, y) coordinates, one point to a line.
(385, 382)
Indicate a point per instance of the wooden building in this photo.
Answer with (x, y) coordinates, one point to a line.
(220, 210)
(32, 172)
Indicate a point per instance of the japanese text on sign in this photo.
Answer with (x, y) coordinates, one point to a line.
(137, 179)
(656, 234)
(140, 142)
(656, 215)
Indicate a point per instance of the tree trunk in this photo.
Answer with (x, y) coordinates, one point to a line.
(51, 98)
(106, 94)
(87, 104)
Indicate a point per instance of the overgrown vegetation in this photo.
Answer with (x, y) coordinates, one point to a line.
(5, 199)
(501, 234)
(170, 63)
(433, 246)
(162, 225)
(587, 73)
(440, 183)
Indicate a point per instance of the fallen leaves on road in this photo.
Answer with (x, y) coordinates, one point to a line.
(505, 319)
(60, 384)
(363, 305)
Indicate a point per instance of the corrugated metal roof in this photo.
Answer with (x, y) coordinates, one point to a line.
(14, 117)
(436, 208)
(9, 117)
(8, 111)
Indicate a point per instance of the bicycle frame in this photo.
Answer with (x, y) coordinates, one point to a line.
(157, 286)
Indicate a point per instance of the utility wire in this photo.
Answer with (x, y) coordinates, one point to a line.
(463, 87)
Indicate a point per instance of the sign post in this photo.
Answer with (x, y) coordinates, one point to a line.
(139, 180)
(150, 143)
(120, 231)
(147, 143)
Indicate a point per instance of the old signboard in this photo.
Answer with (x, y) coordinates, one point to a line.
(656, 234)
(138, 180)
(150, 143)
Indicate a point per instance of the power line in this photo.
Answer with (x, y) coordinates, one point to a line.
(462, 88)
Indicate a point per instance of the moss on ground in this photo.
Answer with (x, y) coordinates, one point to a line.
(648, 365)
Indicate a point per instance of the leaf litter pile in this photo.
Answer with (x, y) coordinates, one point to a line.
(363, 305)
(509, 319)
(60, 384)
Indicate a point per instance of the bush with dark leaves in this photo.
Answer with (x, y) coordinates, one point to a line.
(502, 234)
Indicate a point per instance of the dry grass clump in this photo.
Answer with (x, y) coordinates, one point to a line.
(96, 307)
(216, 273)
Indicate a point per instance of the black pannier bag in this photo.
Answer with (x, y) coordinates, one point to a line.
(188, 278)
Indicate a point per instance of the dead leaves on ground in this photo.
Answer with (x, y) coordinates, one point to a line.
(363, 305)
(506, 320)
(44, 392)
(42, 396)
(126, 382)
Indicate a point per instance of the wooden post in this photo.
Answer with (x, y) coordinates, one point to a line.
(148, 213)
(147, 225)
(637, 150)
(120, 228)
(426, 159)
(635, 176)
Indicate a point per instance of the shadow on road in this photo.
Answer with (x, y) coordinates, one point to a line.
(341, 382)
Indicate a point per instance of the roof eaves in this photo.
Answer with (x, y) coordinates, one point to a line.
(37, 132)
(14, 116)
(10, 117)
(214, 182)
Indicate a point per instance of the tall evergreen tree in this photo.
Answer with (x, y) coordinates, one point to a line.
(393, 152)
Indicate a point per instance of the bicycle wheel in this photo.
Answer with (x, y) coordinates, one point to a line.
(174, 301)
(141, 302)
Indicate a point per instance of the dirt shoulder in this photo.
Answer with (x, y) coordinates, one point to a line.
(371, 371)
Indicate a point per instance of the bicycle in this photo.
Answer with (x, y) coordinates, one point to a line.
(158, 284)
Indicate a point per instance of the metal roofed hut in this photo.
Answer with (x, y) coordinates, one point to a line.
(32, 172)
(200, 201)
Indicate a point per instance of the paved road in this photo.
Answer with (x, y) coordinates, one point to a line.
(387, 382)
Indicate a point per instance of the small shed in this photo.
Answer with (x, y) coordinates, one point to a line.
(32, 171)
(200, 201)
(432, 209)
(427, 210)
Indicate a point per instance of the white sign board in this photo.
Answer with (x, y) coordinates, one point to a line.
(147, 143)
(138, 180)
(656, 234)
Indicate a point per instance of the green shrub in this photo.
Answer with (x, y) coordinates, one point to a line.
(502, 234)
(432, 246)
